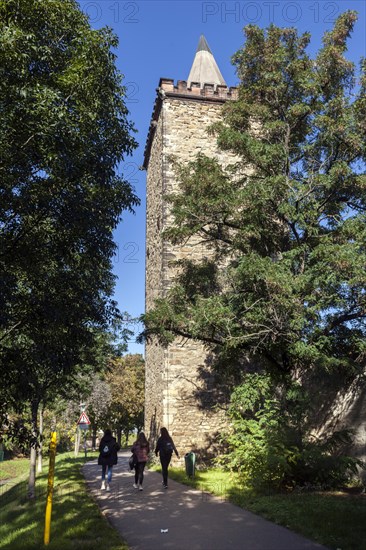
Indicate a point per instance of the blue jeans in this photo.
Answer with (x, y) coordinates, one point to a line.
(110, 469)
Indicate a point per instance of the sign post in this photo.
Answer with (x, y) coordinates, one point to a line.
(51, 475)
(83, 424)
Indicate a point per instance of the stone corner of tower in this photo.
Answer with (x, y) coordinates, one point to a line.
(196, 91)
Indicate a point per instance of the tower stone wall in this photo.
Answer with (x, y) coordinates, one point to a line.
(180, 391)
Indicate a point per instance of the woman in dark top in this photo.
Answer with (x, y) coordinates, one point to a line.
(108, 448)
(165, 447)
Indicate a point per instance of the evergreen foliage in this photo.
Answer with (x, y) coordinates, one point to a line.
(271, 445)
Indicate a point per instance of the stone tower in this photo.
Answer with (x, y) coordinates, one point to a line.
(179, 388)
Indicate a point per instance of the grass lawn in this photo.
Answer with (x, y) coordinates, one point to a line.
(337, 520)
(76, 520)
(9, 469)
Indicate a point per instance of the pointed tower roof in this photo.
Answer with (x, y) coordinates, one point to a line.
(204, 69)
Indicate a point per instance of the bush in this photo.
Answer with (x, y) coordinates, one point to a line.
(270, 441)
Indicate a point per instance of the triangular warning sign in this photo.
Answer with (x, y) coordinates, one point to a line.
(83, 419)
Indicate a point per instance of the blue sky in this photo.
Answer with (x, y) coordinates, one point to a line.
(159, 39)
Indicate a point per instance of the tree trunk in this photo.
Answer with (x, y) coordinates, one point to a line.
(94, 437)
(40, 447)
(77, 441)
(119, 435)
(33, 452)
(126, 432)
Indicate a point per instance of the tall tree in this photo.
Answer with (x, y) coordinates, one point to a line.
(98, 403)
(64, 131)
(126, 379)
(286, 223)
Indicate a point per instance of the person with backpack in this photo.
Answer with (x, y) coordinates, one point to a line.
(108, 448)
(165, 447)
(141, 451)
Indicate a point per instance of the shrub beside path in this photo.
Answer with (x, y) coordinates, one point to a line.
(182, 518)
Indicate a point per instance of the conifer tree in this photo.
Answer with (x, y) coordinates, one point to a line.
(291, 216)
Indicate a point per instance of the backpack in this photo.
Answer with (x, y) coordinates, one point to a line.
(107, 449)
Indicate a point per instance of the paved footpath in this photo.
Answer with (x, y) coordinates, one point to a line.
(182, 518)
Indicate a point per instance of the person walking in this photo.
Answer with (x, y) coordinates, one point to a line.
(108, 448)
(141, 451)
(165, 447)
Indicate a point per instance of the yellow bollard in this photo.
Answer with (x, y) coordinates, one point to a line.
(51, 475)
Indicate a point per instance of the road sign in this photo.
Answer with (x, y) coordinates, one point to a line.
(83, 426)
(83, 419)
